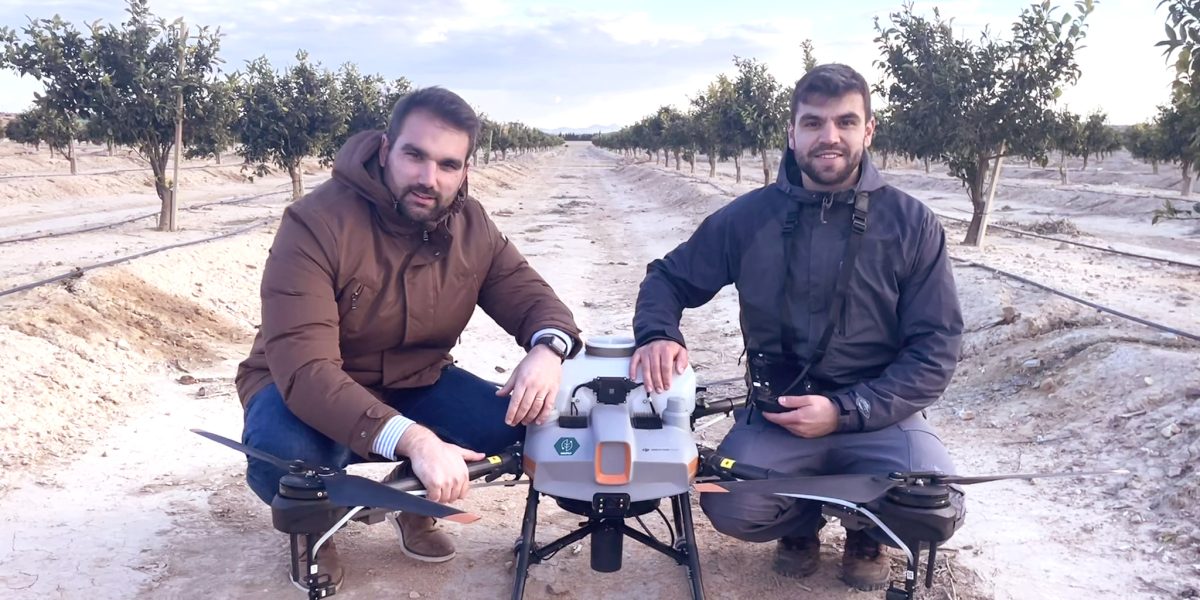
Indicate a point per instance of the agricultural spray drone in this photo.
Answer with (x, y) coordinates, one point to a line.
(614, 452)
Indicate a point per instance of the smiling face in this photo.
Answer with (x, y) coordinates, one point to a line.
(425, 166)
(828, 137)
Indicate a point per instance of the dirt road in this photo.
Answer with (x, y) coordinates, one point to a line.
(115, 499)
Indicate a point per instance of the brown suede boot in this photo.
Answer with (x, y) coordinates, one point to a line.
(865, 564)
(797, 556)
(420, 537)
(328, 563)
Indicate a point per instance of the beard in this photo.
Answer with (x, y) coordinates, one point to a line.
(830, 177)
(417, 209)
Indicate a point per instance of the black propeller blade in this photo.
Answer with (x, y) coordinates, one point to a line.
(963, 480)
(244, 449)
(352, 490)
(858, 489)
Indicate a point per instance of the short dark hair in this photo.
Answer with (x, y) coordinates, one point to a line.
(441, 103)
(831, 81)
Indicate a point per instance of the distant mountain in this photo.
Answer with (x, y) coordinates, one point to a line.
(577, 130)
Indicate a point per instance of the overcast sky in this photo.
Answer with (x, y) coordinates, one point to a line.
(609, 62)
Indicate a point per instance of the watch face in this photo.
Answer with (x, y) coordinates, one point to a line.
(554, 343)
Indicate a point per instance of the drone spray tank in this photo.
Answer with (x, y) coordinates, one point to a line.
(609, 436)
(611, 451)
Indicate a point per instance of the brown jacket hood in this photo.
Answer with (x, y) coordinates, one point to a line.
(357, 299)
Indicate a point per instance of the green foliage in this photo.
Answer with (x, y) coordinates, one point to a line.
(809, 56)
(212, 132)
(1182, 36)
(368, 101)
(1147, 141)
(967, 103)
(516, 137)
(729, 116)
(763, 105)
(288, 116)
(43, 125)
(122, 80)
(1098, 138)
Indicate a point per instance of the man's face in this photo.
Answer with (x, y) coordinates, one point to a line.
(425, 166)
(828, 137)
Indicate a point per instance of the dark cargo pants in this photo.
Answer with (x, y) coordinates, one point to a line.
(911, 445)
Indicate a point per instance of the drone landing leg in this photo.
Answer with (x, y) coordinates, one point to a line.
(912, 569)
(682, 507)
(525, 548)
(930, 565)
(304, 568)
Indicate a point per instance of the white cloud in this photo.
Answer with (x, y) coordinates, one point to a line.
(566, 64)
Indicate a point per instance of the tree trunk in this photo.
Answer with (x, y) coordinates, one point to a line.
(926, 165)
(737, 166)
(1085, 160)
(692, 162)
(71, 156)
(110, 149)
(677, 168)
(1187, 179)
(218, 157)
(978, 204)
(1154, 165)
(883, 161)
(1062, 168)
(982, 213)
(712, 165)
(158, 166)
(766, 164)
(297, 175)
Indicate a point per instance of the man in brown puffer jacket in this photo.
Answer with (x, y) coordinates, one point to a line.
(370, 281)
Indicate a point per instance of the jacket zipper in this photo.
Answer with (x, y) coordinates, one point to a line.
(354, 297)
(826, 202)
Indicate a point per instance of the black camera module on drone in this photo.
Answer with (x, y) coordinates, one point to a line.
(614, 452)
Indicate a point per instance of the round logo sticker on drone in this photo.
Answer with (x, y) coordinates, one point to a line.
(566, 446)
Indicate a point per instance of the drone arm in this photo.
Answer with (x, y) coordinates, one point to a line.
(726, 468)
(491, 467)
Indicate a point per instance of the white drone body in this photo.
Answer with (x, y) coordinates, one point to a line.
(605, 438)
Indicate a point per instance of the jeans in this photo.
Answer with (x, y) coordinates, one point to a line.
(460, 408)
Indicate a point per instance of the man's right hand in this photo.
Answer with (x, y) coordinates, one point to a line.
(441, 466)
(657, 360)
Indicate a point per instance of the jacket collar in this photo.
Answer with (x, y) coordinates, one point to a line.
(789, 182)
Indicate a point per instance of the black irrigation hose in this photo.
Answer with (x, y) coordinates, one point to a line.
(1054, 239)
(112, 172)
(43, 236)
(1101, 308)
(116, 261)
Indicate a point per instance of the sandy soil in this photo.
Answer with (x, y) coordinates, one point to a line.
(104, 494)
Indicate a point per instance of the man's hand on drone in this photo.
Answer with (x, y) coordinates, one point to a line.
(533, 385)
(658, 359)
(441, 466)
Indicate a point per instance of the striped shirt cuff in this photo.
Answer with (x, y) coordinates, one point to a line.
(389, 436)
